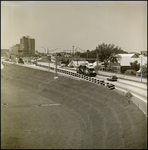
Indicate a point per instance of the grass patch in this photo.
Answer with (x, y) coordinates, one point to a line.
(104, 119)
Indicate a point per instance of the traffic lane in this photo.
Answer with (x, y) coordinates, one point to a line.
(139, 85)
(127, 87)
(124, 81)
(144, 80)
(134, 90)
(140, 92)
(134, 84)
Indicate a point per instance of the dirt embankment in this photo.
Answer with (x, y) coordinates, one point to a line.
(39, 111)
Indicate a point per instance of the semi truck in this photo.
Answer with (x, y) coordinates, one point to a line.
(86, 69)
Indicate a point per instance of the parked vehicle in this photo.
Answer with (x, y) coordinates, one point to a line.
(86, 70)
(112, 78)
(21, 60)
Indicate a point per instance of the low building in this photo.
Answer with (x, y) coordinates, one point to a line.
(75, 64)
(124, 61)
(100, 65)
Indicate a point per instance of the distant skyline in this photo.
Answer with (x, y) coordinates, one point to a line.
(83, 24)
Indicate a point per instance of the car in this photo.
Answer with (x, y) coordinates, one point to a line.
(20, 60)
(112, 78)
(63, 65)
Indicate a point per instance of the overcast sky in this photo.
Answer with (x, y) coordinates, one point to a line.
(83, 24)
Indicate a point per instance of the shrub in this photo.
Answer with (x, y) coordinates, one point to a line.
(135, 65)
(144, 70)
(130, 72)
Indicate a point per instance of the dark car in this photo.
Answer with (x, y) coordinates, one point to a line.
(112, 78)
(21, 60)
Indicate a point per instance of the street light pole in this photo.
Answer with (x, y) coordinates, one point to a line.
(73, 52)
(141, 68)
(97, 63)
(49, 58)
(56, 65)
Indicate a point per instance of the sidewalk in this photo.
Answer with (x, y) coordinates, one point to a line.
(122, 76)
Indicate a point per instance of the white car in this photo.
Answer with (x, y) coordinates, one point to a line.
(63, 65)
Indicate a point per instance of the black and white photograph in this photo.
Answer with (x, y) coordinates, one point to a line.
(73, 74)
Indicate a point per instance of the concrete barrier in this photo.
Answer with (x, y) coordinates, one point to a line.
(93, 80)
(75, 74)
(107, 85)
(98, 81)
(83, 76)
(89, 78)
(72, 73)
(111, 87)
(102, 82)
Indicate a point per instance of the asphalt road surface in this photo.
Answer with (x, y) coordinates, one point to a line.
(139, 89)
(39, 111)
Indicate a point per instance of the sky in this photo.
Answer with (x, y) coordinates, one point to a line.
(83, 24)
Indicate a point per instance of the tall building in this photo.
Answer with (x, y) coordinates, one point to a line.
(27, 46)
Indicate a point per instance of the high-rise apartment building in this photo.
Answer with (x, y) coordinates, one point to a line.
(27, 46)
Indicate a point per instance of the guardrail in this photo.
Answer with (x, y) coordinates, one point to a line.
(81, 76)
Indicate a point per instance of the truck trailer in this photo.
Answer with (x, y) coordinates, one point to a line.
(86, 69)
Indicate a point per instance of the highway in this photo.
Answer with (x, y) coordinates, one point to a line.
(136, 88)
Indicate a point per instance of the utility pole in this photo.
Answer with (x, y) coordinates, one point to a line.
(97, 63)
(73, 51)
(56, 65)
(87, 53)
(49, 59)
